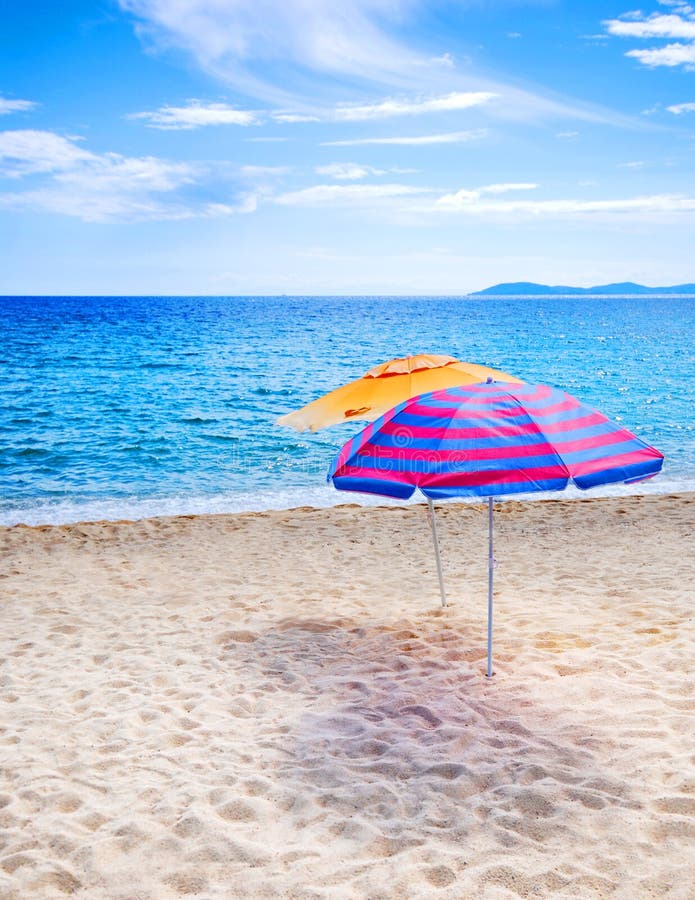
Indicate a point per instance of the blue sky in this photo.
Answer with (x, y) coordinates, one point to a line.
(352, 147)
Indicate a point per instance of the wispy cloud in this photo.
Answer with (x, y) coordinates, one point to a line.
(302, 57)
(390, 107)
(347, 194)
(657, 207)
(464, 198)
(228, 38)
(195, 115)
(655, 25)
(678, 24)
(456, 100)
(348, 171)
(506, 186)
(118, 208)
(66, 178)
(680, 108)
(671, 55)
(451, 137)
(8, 106)
(27, 152)
(485, 203)
(291, 118)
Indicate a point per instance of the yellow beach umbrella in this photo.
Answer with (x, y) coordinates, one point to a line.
(387, 385)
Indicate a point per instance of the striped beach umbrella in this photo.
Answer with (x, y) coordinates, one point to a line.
(488, 440)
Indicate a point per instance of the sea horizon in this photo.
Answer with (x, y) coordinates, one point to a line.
(302, 295)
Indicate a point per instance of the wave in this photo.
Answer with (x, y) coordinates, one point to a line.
(64, 512)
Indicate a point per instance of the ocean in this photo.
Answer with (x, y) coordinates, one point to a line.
(125, 407)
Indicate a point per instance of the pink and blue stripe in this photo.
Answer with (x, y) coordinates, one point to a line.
(491, 439)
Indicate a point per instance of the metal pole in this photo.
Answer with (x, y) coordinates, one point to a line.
(490, 569)
(433, 522)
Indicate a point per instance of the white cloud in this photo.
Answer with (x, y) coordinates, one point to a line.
(671, 55)
(633, 164)
(113, 207)
(655, 207)
(27, 151)
(8, 106)
(106, 187)
(116, 174)
(507, 186)
(679, 5)
(446, 60)
(656, 25)
(195, 115)
(292, 118)
(567, 135)
(480, 204)
(347, 171)
(388, 108)
(246, 203)
(456, 100)
(104, 207)
(300, 56)
(679, 108)
(385, 109)
(678, 25)
(228, 37)
(463, 198)
(452, 137)
(342, 194)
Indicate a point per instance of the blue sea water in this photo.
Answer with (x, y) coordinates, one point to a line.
(122, 407)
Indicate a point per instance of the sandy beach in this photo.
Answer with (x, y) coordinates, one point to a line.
(276, 705)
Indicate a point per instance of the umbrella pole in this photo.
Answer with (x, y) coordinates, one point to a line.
(490, 570)
(435, 537)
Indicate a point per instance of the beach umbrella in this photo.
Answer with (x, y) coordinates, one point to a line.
(386, 385)
(488, 440)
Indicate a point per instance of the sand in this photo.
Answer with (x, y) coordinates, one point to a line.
(275, 705)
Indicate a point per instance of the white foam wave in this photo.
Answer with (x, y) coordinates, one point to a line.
(113, 509)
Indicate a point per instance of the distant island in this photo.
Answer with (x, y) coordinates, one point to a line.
(528, 288)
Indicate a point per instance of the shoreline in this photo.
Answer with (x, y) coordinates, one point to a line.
(328, 498)
(275, 704)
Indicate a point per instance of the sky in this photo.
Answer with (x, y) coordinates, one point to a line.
(255, 147)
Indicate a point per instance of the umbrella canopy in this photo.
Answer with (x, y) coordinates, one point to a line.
(386, 385)
(490, 439)
(487, 440)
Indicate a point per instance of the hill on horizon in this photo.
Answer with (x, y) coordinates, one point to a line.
(529, 288)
